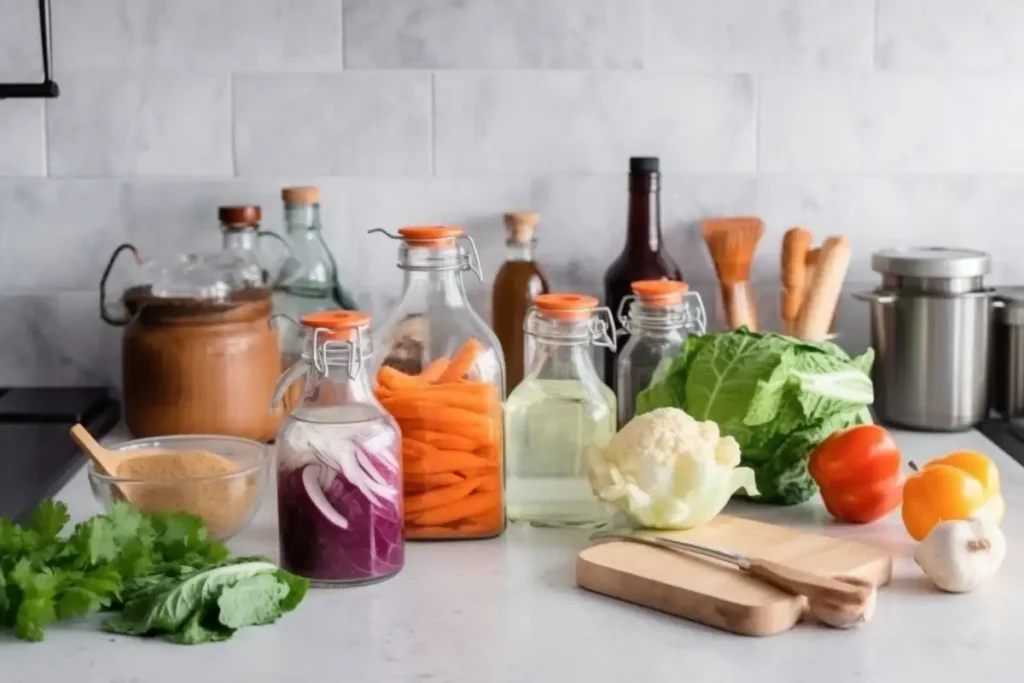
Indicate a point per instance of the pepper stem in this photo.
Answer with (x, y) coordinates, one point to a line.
(912, 466)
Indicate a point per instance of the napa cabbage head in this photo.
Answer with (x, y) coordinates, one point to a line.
(779, 397)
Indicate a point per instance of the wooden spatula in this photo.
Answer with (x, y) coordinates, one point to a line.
(790, 579)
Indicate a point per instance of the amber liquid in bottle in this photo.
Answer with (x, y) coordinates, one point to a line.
(518, 280)
(644, 257)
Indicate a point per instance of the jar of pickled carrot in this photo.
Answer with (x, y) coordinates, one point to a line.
(440, 373)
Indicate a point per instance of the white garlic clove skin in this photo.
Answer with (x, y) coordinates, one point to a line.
(961, 555)
(843, 615)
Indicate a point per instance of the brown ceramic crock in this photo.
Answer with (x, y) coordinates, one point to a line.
(194, 366)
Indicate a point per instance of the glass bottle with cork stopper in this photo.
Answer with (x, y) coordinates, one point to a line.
(659, 316)
(441, 374)
(339, 476)
(307, 282)
(240, 227)
(644, 256)
(518, 281)
(558, 413)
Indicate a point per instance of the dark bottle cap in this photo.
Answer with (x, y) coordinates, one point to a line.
(239, 216)
(643, 164)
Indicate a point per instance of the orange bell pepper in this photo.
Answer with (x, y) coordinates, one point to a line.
(858, 472)
(960, 485)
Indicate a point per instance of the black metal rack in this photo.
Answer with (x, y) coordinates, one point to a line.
(48, 88)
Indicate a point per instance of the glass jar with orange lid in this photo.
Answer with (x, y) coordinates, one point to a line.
(658, 316)
(339, 476)
(558, 413)
(439, 371)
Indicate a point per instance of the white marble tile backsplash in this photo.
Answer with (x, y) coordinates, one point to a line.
(890, 121)
(111, 125)
(553, 122)
(759, 37)
(494, 34)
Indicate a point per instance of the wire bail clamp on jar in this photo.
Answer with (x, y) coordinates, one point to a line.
(548, 309)
(664, 295)
(437, 237)
(356, 354)
(341, 329)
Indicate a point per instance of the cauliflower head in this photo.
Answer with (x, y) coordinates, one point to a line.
(666, 470)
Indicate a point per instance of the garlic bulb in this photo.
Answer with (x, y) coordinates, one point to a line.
(960, 555)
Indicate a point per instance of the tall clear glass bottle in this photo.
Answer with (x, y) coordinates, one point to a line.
(558, 413)
(441, 375)
(644, 256)
(307, 281)
(661, 314)
(518, 281)
(339, 476)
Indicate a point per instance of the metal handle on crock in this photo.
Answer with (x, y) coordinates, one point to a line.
(105, 314)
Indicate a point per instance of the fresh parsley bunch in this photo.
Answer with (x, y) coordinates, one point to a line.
(160, 571)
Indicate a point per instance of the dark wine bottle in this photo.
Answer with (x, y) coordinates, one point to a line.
(644, 257)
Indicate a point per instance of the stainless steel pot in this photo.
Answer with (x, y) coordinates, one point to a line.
(930, 328)
(931, 368)
(1008, 353)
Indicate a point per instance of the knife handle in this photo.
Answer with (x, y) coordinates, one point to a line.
(813, 586)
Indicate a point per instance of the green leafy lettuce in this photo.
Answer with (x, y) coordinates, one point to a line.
(160, 571)
(779, 397)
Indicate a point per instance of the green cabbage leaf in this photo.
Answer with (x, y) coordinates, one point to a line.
(779, 397)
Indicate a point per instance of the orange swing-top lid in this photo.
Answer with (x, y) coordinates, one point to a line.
(341, 325)
(431, 236)
(565, 306)
(660, 293)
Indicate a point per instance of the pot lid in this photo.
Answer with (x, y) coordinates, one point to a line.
(937, 262)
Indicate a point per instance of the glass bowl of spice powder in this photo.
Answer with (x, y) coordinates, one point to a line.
(221, 479)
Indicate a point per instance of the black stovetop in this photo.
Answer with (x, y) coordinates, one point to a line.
(37, 456)
(1007, 434)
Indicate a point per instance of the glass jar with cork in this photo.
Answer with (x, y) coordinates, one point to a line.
(240, 227)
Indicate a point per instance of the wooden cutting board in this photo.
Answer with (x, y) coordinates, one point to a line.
(717, 594)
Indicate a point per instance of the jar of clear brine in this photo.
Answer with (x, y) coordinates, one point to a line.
(339, 477)
(658, 316)
(558, 413)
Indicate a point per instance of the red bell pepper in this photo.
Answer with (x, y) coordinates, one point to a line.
(858, 472)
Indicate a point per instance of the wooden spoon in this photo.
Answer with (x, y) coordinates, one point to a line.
(106, 460)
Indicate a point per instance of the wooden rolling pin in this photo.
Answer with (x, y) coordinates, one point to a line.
(819, 307)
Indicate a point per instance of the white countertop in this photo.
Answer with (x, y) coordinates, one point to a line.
(508, 610)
